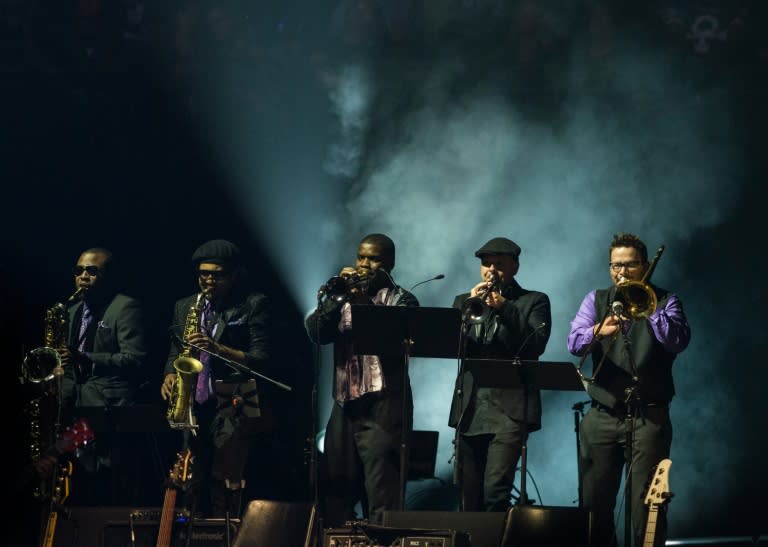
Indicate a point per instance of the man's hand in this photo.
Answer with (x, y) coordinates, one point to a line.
(165, 389)
(70, 356)
(610, 326)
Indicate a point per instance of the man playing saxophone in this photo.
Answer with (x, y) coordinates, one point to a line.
(103, 362)
(104, 358)
(220, 322)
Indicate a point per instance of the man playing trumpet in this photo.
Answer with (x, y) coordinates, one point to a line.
(364, 431)
(502, 321)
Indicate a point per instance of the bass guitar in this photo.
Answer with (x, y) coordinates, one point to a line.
(657, 495)
(180, 474)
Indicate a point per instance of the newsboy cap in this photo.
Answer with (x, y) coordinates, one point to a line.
(499, 246)
(217, 251)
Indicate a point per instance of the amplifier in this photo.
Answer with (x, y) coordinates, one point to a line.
(379, 536)
(136, 527)
(143, 532)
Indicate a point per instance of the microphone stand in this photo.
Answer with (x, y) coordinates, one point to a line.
(578, 414)
(523, 375)
(458, 469)
(630, 402)
(237, 367)
(313, 457)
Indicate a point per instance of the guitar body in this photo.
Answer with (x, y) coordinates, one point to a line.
(180, 474)
(76, 436)
(657, 495)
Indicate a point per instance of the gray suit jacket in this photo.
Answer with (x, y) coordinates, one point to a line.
(116, 347)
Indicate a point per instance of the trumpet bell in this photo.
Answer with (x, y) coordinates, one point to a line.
(639, 298)
(475, 310)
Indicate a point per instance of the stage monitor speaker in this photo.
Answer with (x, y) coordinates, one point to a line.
(534, 526)
(288, 524)
(484, 529)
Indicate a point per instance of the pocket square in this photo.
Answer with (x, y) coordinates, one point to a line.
(239, 321)
(102, 326)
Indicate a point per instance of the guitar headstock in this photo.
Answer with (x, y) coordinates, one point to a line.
(658, 488)
(182, 469)
(61, 489)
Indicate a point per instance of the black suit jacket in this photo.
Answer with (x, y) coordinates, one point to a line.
(521, 329)
(116, 348)
(241, 324)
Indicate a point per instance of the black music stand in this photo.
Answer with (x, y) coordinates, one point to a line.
(396, 331)
(548, 375)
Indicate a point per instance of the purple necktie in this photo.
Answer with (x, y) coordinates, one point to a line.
(201, 390)
(85, 322)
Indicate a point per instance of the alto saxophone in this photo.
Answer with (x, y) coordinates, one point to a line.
(187, 367)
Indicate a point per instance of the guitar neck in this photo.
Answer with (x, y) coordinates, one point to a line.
(650, 528)
(166, 518)
(50, 529)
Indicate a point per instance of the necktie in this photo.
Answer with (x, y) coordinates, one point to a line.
(201, 390)
(85, 322)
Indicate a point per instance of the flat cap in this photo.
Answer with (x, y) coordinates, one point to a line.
(217, 251)
(499, 246)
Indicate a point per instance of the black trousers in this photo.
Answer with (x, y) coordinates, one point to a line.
(488, 469)
(362, 456)
(603, 440)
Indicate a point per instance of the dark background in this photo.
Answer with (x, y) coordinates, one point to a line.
(105, 128)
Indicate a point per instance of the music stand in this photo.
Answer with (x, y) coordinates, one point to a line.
(547, 375)
(395, 331)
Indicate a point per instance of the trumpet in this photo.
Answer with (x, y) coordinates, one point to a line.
(475, 310)
(339, 287)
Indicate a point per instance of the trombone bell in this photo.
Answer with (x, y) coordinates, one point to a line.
(638, 298)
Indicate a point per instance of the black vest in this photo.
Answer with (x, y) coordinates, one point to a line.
(652, 363)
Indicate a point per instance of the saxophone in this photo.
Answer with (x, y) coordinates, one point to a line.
(41, 364)
(187, 367)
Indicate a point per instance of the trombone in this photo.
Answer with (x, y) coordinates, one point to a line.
(638, 301)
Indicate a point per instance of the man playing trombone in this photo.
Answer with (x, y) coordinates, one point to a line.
(501, 320)
(364, 432)
(634, 331)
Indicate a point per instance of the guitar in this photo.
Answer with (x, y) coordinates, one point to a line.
(58, 497)
(657, 495)
(72, 439)
(179, 475)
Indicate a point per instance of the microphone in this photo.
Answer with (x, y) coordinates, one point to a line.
(617, 308)
(528, 338)
(438, 276)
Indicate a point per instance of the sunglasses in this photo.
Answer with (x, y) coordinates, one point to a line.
(217, 274)
(78, 270)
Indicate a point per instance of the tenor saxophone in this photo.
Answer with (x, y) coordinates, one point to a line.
(40, 366)
(187, 367)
